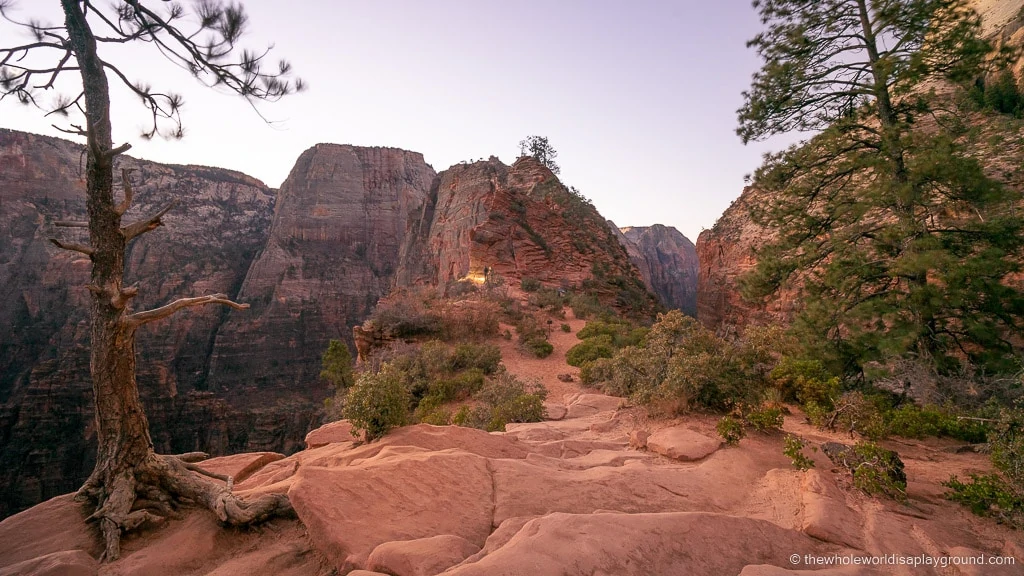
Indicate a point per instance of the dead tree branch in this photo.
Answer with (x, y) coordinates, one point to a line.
(140, 318)
(142, 226)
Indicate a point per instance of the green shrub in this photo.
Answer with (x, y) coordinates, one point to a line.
(539, 346)
(598, 372)
(377, 402)
(508, 400)
(1001, 497)
(591, 349)
(549, 298)
(437, 416)
(731, 430)
(912, 421)
(336, 366)
(566, 328)
(588, 306)
(878, 471)
(794, 448)
(765, 418)
(483, 357)
(988, 495)
(805, 381)
(529, 284)
(858, 412)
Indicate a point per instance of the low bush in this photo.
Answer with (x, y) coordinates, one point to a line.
(731, 430)
(539, 346)
(594, 347)
(566, 328)
(508, 400)
(377, 402)
(765, 418)
(529, 284)
(988, 495)
(794, 449)
(805, 381)
(878, 471)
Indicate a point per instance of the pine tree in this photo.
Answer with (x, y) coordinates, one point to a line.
(131, 485)
(899, 242)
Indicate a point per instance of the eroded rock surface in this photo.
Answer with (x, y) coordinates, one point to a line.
(548, 498)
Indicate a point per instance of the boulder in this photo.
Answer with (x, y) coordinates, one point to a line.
(421, 557)
(330, 433)
(691, 543)
(825, 514)
(584, 405)
(682, 444)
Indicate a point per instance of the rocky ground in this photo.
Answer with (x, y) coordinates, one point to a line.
(600, 489)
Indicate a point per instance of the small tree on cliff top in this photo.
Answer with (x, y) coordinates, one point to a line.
(541, 149)
(902, 244)
(131, 485)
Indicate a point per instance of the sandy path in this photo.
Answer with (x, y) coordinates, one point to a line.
(546, 370)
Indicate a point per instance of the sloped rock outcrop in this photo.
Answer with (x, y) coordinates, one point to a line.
(667, 262)
(428, 499)
(487, 219)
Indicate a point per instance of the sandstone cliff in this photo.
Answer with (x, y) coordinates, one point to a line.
(667, 262)
(517, 222)
(338, 226)
(46, 433)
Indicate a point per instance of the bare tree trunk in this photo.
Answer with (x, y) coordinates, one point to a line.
(130, 481)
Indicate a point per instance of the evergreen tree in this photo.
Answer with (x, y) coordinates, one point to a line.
(541, 149)
(131, 485)
(336, 366)
(899, 242)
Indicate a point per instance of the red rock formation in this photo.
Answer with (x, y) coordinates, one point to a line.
(45, 393)
(517, 222)
(667, 262)
(340, 219)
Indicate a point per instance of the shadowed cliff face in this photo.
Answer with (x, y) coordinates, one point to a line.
(340, 220)
(518, 222)
(46, 436)
(667, 262)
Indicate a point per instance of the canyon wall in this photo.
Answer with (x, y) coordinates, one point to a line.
(46, 429)
(667, 262)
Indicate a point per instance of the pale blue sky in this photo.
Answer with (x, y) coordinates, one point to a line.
(638, 97)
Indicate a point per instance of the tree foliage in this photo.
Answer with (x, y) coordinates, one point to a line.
(898, 240)
(336, 365)
(541, 149)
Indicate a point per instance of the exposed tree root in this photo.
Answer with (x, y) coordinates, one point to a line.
(149, 493)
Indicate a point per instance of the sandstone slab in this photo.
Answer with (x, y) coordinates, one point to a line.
(682, 444)
(584, 405)
(421, 557)
(240, 466)
(67, 563)
(825, 513)
(350, 511)
(696, 544)
(56, 525)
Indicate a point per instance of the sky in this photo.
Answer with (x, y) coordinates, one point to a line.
(639, 98)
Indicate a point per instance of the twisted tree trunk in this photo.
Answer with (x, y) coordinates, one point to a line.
(130, 484)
